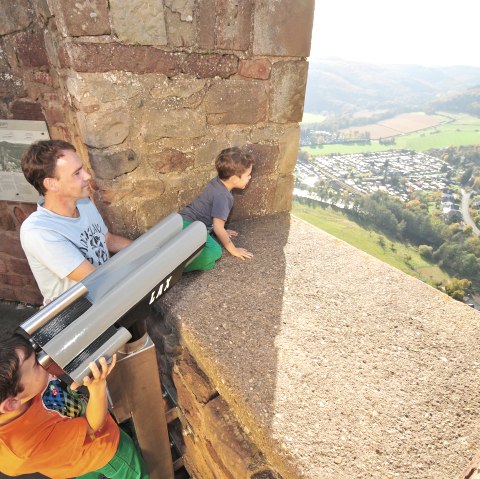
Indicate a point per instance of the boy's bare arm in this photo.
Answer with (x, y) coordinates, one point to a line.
(96, 411)
(224, 237)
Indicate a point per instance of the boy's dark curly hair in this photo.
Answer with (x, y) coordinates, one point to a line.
(10, 364)
(232, 161)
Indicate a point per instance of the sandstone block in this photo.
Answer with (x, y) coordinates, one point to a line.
(287, 93)
(105, 57)
(288, 144)
(7, 292)
(182, 123)
(180, 33)
(179, 87)
(12, 279)
(18, 265)
(148, 27)
(15, 16)
(30, 49)
(257, 68)
(26, 110)
(29, 294)
(283, 194)
(283, 29)
(233, 24)
(10, 244)
(206, 24)
(104, 128)
(210, 66)
(83, 18)
(169, 160)
(55, 109)
(256, 199)
(11, 86)
(110, 164)
(183, 7)
(265, 157)
(151, 210)
(7, 222)
(188, 403)
(228, 441)
(195, 459)
(194, 378)
(236, 101)
(3, 265)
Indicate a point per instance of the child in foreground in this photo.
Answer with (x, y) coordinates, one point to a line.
(59, 439)
(212, 207)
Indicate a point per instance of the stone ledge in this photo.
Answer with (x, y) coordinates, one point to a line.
(337, 364)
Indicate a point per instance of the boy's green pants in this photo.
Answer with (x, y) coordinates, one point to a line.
(126, 464)
(211, 252)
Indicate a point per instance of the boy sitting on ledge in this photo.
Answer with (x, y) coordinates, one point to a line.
(43, 429)
(212, 207)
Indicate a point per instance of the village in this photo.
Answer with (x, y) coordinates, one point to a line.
(397, 172)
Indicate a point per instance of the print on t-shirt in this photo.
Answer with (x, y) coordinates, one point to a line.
(92, 245)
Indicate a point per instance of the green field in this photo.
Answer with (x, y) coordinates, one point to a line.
(313, 118)
(403, 257)
(463, 131)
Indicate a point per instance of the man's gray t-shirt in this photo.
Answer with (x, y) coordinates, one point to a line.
(56, 245)
(215, 201)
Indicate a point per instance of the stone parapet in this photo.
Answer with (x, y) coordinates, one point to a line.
(333, 363)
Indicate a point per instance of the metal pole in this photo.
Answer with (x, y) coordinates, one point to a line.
(135, 393)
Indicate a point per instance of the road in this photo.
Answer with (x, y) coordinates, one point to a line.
(466, 215)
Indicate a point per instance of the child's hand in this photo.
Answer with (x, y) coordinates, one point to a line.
(99, 375)
(242, 253)
(231, 233)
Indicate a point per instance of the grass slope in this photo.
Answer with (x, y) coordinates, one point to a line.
(398, 255)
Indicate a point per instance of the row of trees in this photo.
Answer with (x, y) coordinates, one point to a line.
(454, 248)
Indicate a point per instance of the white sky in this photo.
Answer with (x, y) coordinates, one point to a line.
(423, 32)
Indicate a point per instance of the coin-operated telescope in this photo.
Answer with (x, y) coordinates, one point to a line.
(106, 313)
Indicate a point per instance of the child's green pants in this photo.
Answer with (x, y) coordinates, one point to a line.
(211, 252)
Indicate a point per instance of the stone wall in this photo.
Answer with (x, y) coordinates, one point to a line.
(150, 92)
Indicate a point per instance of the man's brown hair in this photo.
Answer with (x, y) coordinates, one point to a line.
(40, 160)
(232, 161)
(10, 380)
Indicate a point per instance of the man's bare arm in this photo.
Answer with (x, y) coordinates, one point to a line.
(115, 243)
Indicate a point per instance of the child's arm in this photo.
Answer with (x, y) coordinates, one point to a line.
(96, 411)
(222, 234)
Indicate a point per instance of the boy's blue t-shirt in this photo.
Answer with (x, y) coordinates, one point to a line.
(215, 201)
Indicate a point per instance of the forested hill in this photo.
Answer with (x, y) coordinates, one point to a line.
(339, 87)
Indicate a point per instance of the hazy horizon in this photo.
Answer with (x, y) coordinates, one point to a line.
(426, 32)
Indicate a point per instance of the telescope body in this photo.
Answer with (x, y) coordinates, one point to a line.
(100, 314)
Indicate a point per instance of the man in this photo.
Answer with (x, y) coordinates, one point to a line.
(66, 238)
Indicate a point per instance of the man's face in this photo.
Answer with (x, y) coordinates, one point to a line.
(244, 179)
(71, 179)
(34, 378)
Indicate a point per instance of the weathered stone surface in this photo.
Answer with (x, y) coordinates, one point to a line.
(183, 7)
(233, 24)
(195, 459)
(265, 158)
(104, 128)
(169, 160)
(257, 68)
(11, 86)
(180, 33)
(105, 57)
(210, 66)
(228, 441)
(194, 378)
(150, 211)
(179, 87)
(147, 14)
(256, 199)
(90, 90)
(26, 110)
(55, 108)
(236, 101)
(206, 24)
(84, 18)
(110, 164)
(283, 194)
(173, 123)
(10, 244)
(283, 29)
(30, 49)
(15, 16)
(288, 82)
(288, 144)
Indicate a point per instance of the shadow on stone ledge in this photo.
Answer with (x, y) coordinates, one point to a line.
(337, 364)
